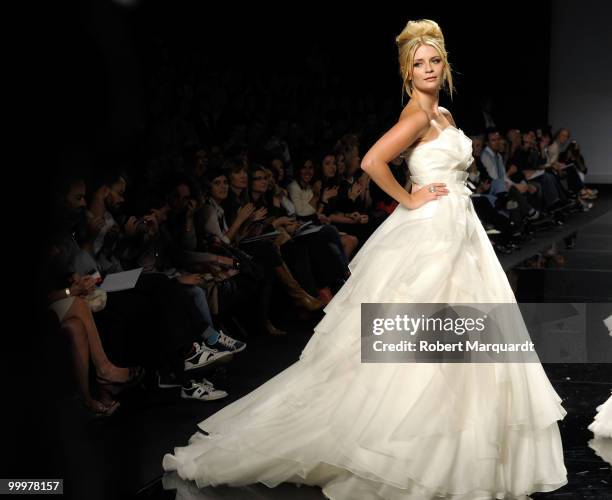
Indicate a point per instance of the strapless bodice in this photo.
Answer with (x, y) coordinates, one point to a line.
(443, 159)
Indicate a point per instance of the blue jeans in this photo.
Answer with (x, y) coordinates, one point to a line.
(199, 298)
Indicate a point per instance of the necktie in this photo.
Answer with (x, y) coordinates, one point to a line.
(501, 171)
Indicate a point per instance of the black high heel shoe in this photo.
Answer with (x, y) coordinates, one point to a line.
(136, 374)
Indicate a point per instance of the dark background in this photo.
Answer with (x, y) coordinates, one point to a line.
(102, 56)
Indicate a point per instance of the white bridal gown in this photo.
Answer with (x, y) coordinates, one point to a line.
(396, 431)
(601, 426)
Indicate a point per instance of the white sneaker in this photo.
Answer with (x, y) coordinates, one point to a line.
(203, 391)
(205, 356)
(227, 343)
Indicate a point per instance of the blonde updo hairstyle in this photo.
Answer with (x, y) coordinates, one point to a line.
(415, 34)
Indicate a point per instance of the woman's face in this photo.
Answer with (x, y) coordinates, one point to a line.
(116, 193)
(329, 166)
(307, 171)
(278, 166)
(239, 179)
(563, 136)
(427, 68)
(259, 182)
(219, 188)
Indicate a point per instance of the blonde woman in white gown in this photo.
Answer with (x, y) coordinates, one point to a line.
(401, 431)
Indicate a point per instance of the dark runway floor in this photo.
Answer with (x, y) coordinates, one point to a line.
(121, 458)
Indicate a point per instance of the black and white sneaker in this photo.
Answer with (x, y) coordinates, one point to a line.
(205, 356)
(227, 343)
(203, 391)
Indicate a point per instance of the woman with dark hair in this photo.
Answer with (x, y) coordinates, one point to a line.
(213, 221)
(310, 200)
(557, 160)
(312, 257)
(346, 203)
(72, 298)
(341, 244)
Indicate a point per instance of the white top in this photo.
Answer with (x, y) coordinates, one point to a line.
(214, 220)
(300, 198)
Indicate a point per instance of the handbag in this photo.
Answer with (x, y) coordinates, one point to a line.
(245, 261)
(96, 300)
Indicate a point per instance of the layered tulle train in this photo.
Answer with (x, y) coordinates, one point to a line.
(394, 431)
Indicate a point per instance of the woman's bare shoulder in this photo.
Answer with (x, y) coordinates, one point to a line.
(415, 118)
(410, 126)
(414, 113)
(447, 114)
(418, 119)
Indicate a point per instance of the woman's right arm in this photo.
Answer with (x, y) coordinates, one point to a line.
(234, 229)
(207, 221)
(302, 207)
(390, 146)
(553, 155)
(80, 287)
(341, 219)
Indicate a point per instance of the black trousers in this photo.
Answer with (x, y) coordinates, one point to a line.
(488, 214)
(361, 231)
(313, 260)
(159, 320)
(266, 257)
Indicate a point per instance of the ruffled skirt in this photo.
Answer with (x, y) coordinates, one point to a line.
(399, 431)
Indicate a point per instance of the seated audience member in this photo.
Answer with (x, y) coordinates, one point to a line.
(567, 173)
(309, 206)
(179, 346)
(165, 231)
(68, 295)
(345, 207)
(314, 257)
(211, 221)
(529, 167)
(512, 193)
